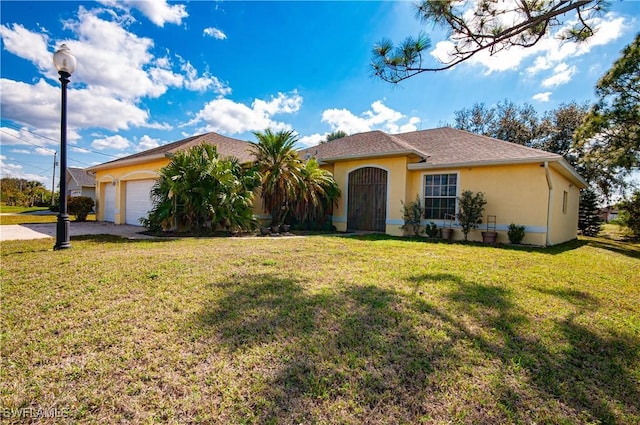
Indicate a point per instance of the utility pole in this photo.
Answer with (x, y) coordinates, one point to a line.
(53, 179)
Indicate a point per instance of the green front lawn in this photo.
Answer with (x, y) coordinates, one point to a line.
(16, 209)
(35, 219)
(321, 329)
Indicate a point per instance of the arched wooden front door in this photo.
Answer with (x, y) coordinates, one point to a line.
(367, 204)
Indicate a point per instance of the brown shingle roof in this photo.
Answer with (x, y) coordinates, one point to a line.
(451, 146)
(439, 146)
(226, 147)
(371, 143)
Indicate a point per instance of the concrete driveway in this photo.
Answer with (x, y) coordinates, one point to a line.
(48, 230)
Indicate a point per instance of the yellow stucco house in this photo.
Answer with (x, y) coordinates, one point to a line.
(377, 172)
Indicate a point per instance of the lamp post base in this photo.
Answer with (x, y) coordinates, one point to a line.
(62, 233)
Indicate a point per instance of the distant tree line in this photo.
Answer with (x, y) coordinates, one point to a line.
(22, 192)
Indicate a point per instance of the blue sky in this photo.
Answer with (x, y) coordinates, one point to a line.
(151, 73)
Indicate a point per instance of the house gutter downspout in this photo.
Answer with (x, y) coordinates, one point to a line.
(549, 201)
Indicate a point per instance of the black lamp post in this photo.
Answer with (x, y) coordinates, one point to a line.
(65, 63)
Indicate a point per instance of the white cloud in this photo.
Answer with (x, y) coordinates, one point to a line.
(11, 137)
(195, 83)
(147, 142)
(132, 72)
(8, 169)
(379, 117)
(166, 77)
(28, 45)
(541, 63)
(23, 151)
(78, 150)
(159, 12)
(542, 97)
(215, 33)
(562, 75)
(281, 104)
(312, 140)
(118, 57)
(226, 116)
(111, 142)
(158, 126)
(116, 72)
(43, 151)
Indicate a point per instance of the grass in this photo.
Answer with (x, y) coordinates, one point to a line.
(17, 209)
(616, 232)
(26, 218)
(324, 330)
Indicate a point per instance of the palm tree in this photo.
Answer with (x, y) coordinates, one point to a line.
(317, 193)
(198, 190)
(280, 170)
(335, 135)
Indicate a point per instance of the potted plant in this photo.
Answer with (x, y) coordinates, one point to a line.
(447, 231)
(471, 207)
(489, 237)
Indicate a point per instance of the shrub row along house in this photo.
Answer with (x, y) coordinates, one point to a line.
(378, 173)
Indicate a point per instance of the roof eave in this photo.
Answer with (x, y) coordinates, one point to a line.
(132, 161)
(427, 166)
(571, 172)
(369, 156)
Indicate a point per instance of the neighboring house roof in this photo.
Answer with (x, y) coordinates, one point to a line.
(81, 177)
(226, 147)
(436, 148)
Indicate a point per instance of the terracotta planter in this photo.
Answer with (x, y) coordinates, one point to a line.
(489, 237)
(446, 233)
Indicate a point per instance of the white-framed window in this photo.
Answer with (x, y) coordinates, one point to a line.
(440, 191)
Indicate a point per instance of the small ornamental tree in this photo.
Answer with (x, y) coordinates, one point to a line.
(471, 208)
(631, 213)
(412, 213)
(589, 220)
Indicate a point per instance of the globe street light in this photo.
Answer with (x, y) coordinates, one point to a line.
(65, 63)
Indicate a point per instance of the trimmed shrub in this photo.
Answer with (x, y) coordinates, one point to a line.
(431, 229)
(80, 206)
(515, 233)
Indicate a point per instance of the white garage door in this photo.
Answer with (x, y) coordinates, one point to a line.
(109, 202)
(138, 201)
